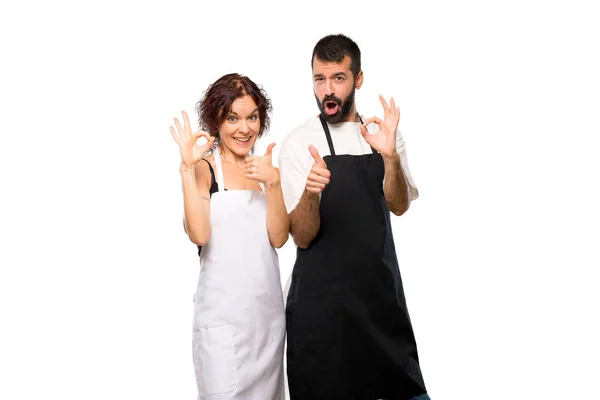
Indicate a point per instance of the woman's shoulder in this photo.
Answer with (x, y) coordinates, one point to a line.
(205, 169)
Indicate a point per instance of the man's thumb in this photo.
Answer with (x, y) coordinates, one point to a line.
(316, 156)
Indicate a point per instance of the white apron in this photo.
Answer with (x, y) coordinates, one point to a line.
(239, 318)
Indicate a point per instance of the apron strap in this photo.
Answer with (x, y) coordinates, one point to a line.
(221, 181)
(328, 134)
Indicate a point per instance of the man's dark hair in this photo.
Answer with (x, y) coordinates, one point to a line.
(333, 48)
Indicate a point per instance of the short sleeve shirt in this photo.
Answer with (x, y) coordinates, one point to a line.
(295, 161)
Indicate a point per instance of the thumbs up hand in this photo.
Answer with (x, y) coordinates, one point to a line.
(261, 168)
(319, 175)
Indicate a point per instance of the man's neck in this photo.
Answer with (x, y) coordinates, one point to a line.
(352, 115)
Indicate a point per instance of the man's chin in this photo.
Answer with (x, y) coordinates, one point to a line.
(333, 118)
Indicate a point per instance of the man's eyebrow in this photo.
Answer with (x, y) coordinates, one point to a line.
(341, 73)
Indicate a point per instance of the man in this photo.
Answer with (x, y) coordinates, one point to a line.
(349, 332)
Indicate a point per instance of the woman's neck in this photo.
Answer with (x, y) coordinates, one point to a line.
(230, 157)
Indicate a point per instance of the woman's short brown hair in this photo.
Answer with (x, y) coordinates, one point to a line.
(215, 104)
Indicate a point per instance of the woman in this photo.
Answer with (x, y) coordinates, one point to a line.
(234, 212)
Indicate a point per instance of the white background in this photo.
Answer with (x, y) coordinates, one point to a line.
(499, 110)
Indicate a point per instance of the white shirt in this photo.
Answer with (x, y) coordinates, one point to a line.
(295, 161)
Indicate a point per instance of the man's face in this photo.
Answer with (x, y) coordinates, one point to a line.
(334, 87)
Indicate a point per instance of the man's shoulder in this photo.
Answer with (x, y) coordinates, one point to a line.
(302, 134)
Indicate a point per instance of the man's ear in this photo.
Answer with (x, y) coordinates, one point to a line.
(359, 80)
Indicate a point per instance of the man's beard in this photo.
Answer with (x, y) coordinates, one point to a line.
(344, 107)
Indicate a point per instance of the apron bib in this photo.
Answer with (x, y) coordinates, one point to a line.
(349, 332)
(239, 321)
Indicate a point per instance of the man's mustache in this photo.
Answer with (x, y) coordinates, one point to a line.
(332, 98)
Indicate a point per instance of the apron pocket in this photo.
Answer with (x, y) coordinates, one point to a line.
(214, 360)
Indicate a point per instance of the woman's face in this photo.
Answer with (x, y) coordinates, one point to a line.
(239, 131)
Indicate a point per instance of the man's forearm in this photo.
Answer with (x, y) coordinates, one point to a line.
(395, 187)
(305, 220)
